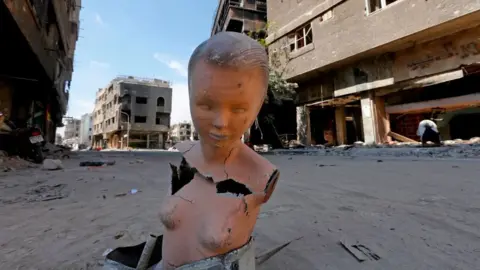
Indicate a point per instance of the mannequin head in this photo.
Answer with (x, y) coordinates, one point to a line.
(228, 80)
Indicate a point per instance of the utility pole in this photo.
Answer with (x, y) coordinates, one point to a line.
(128, 127)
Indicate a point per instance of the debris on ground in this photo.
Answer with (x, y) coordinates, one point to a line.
(359, 251)
(8, 164)
(98, 163)
(52, 164)
(260, 259)
(41, 193)
(56, 151)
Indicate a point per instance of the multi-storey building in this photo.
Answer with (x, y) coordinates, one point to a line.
(37, 51)
(371, 70)
(86, 131)
(242, 16)
(183, 132)
(134, 111)
(72, 128)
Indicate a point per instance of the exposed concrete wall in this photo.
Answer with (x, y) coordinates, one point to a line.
(350, 32)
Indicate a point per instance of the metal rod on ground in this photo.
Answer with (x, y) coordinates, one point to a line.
(146, 253)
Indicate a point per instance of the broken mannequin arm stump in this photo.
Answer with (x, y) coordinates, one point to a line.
(219, 185)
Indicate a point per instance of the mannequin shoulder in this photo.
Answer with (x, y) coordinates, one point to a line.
(185, 146)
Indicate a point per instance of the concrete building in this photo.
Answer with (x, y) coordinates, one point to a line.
(243, 16)
(37, 52)
(132, 110)
(86, 129)
(183, 132)
(72, 128)
(368, 68)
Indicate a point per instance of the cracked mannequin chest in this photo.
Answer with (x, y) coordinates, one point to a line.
(204, 217)
(213, 220)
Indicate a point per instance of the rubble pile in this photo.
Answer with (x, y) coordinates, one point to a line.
(13, 163)
(52, 151)
(450, 149)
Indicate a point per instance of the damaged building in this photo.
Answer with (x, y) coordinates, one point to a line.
(132, 112)
(37, 52)
(276, 120)
(372, 70)
(241, 16)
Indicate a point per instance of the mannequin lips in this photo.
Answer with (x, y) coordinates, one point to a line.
(217, 137)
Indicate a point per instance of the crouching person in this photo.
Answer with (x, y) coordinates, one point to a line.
(428, 132)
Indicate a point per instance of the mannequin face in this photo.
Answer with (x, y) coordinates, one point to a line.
(224, 102)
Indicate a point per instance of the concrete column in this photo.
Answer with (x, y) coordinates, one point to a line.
(341, 125)
(383, 121)
(148, 141)
(303, 125)
(368, 117)
(160, 141)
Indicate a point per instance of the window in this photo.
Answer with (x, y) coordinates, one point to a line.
(301, 38)
(140, 119)
(141, 100)
(160, 102)
(262, 5)
(162, 119)
(113, 120)
(375, 5)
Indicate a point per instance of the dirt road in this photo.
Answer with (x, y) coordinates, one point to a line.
(412, 214)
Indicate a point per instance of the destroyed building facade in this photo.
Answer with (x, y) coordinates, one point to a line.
(368, 68)
(182, 132)
(37, 52)
(242, 16)
(132, 110)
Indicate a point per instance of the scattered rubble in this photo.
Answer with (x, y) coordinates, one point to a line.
(41, 193)
(450, 149)
(8, 164)
(56, 151)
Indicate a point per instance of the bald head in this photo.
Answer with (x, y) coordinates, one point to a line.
(230, 50)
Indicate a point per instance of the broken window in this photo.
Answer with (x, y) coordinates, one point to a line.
(162, 119)
(141, 100)
(301, 38)
(160, 102)
(262, 5)
(235, 26)
(140, 119)
(375, 5)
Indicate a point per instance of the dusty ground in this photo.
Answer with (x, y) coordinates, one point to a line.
(412, 214)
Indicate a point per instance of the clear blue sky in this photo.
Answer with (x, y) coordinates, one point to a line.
(147, 38)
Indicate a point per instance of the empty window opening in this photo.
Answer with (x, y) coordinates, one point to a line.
(262, 5)
(140, 119)
(160, 102)
(162, 119)
(141, 100)
(375, 5)
(301, 38)
(235, 26)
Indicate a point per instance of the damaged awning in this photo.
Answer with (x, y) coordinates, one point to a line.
(451, 103)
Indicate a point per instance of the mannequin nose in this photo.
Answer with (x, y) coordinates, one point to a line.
(220, 121)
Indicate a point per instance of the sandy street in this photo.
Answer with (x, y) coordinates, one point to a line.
(408, 214)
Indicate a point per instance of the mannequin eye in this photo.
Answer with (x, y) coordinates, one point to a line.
(239, 110)
(204, 107)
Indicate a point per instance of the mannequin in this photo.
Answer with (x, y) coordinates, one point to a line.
(220, 184)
